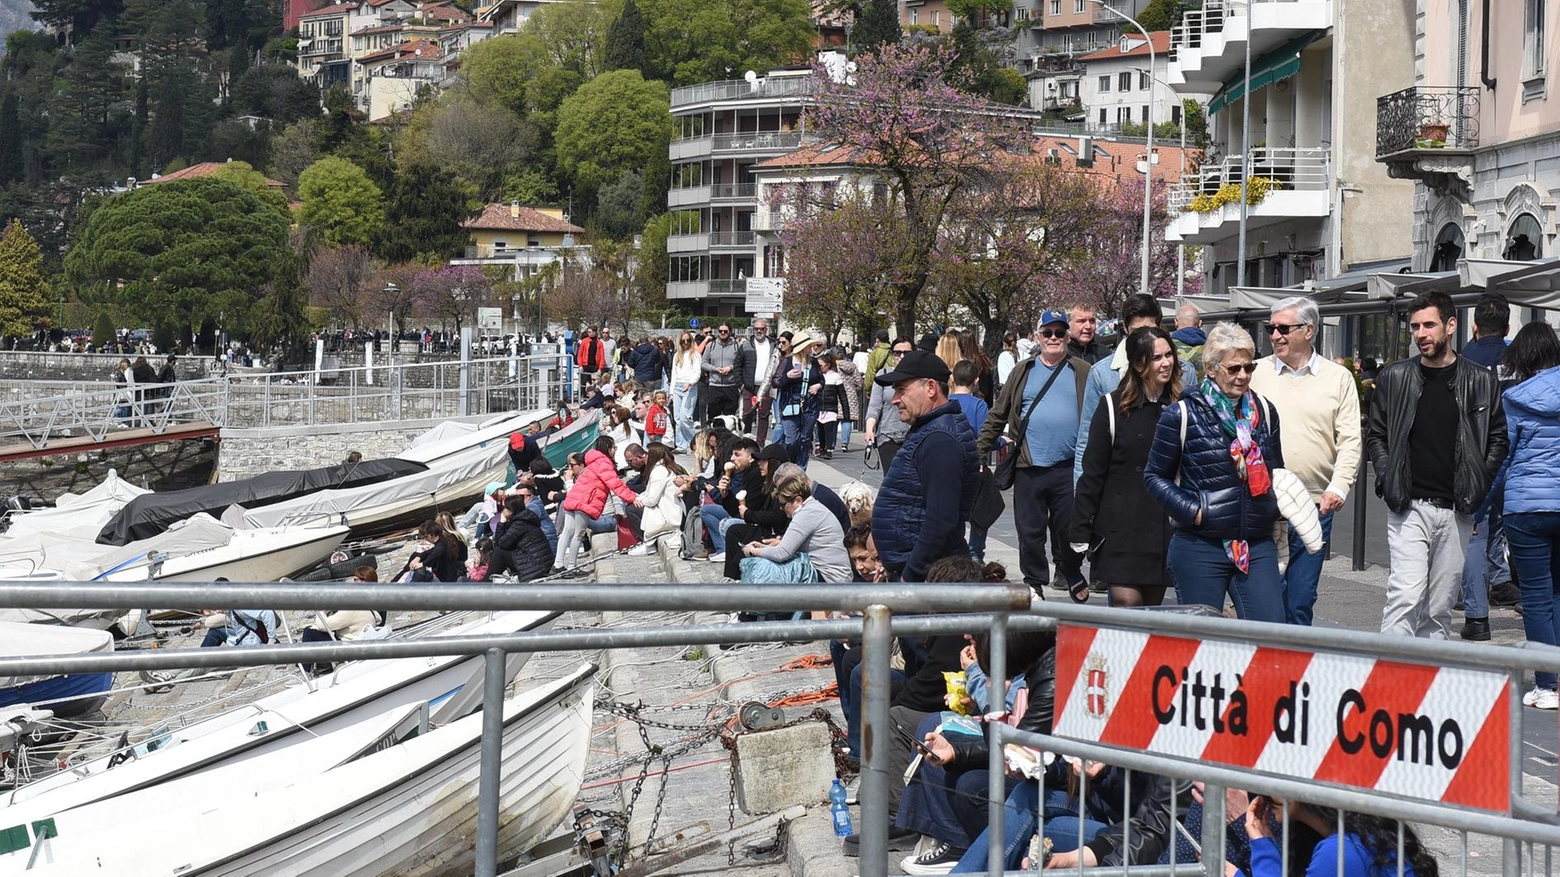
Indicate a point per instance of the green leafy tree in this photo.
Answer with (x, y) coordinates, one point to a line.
(970, 10)
(690, 41)
(877, 24)
(424, 214)
(279, 320)
(22, 283)
(654, 263)
(617, 206)
(1161, 14)
(340, 202)
(615, 123)
(10, 139)
(626, 39)
(103, 329)
(182, 252)
(246, 177)
(530, 186)
(478, 141)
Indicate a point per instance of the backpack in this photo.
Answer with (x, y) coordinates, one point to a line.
(692, 534)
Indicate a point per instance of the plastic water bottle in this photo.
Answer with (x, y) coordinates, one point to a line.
(839, 810)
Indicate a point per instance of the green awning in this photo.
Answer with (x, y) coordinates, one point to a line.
(1279, 64)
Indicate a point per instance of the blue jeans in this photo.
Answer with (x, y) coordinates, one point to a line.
(778, 431)
(607, 523)
(977, 542)
(1484, 565)
(1534, 538)
(850, 701)
(1304, 571)
(538, 508)
(1203, 574)
(798, 438)
(1018, 826)
(844, 432)
(683, 411)
(716, 522)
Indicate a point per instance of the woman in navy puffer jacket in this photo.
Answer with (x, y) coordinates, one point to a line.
(1217, 484)
(1532, 498)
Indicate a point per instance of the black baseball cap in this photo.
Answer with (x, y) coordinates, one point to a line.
(915, 365)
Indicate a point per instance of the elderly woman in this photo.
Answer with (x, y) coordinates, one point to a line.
(814, 535)
(1211, 469)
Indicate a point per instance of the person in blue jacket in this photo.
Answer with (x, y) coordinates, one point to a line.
(1370, 843)
(1532, 495)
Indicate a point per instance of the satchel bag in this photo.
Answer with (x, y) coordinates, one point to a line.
(1007, 468)
(988, 505)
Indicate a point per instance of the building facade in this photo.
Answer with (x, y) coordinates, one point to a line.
(1117, 86)
(723, 129)
(1318, 202)
(1476, 131)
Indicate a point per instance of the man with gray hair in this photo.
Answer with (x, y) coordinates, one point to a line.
(1319, 407)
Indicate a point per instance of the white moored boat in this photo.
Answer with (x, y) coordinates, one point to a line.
(409, 810)
(451, 685)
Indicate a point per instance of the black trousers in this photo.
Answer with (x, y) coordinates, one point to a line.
(886, 452)
(718, 401)
(1042, 505)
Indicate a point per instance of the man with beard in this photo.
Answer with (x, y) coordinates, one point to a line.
(1436, 439)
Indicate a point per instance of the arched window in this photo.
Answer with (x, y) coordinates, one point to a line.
(1448, 248)
(1525, 242)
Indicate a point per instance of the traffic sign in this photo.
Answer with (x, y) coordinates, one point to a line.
(765, 295)
(1419, 731)
(490, 319)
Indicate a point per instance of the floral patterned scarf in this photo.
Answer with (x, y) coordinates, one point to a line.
(1240, 422)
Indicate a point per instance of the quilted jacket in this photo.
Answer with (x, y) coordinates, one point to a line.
(599, 478)
(1533, 425)
(1208, 482)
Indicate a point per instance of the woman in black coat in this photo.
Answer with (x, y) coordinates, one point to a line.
(520, 547)
(1111, 506)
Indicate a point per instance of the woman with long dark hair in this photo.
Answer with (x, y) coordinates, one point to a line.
(1531, 495)
(1111, 506)
(1370, 843)
(970, 349)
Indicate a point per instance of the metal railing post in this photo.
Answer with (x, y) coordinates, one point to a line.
(1213, 821)
(465, 370)
(492, 754)
(877, 640)
(1510, 850)
(1357, 562)
(996, 788)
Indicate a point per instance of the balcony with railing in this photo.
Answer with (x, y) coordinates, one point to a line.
(1285, 184)
(1429, 134)
(733, 191)
(774, 142)
(741, 89)
(728, 240)
(1208, 47)
(705, 288)
(690, 196)
(691, 147)
(1111, 13)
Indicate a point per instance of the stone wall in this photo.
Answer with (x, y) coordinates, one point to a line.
(248, 452)
(83, 367)
(160, 466)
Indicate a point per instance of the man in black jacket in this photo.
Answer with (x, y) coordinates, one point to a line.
(520, 548)
(1436, 438)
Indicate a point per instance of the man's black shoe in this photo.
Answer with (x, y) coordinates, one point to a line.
(898, 839)
(1058, 581)
(1505, 595)
(1476, 630)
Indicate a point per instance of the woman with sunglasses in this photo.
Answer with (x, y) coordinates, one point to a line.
(686, 369)
(1211, 469)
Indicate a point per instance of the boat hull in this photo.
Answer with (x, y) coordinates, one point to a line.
(77, 694)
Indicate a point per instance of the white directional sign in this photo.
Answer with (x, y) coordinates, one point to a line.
(765, 295)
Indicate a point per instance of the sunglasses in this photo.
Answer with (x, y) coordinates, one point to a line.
(898, 352)
(1053, 333)
(1282, 328)
(725, 331)
(1249, 368)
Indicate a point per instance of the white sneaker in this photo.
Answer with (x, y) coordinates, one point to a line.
(940, 859)
(719, 557)
(1548, 699)
(641, 550)
(852, 789)
(1531, 697)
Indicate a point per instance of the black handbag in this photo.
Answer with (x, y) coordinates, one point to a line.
(1006, 469)
(988, 505)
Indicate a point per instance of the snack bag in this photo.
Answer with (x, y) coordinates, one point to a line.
(958, 693)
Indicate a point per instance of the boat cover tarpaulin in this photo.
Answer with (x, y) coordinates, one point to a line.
(146, 516)
(34, 640)
(81, 516)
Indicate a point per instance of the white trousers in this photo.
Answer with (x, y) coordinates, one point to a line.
(1426, 546)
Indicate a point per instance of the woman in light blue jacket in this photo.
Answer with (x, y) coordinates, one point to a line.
(1532, 499)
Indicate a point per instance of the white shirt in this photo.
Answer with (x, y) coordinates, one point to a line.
(1309, 367)
(762, 350)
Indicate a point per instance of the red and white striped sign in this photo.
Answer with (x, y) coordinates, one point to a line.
(1418, 731)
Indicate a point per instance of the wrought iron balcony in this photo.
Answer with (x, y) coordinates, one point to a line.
(1425, 118)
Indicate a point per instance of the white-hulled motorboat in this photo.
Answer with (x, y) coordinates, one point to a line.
(66, 695)
(409, 810)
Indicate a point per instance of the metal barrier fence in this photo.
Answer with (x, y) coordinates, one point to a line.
(409, 391)
(998, 609)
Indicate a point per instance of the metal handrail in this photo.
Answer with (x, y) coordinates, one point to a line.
(1427, 117)
(757, 140)
(741, 89)
(1287, 168)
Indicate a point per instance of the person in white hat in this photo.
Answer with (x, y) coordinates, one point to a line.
(797, 383)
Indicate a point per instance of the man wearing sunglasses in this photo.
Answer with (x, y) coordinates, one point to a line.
(1039, 409)
(884, 429)
(1319, 408)
(721, 375)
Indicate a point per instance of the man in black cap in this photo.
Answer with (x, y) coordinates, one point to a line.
(927, 491)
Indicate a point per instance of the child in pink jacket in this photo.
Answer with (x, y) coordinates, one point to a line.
(587, 499)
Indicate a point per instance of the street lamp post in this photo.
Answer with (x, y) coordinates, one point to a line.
(1180, 249)
(1148, 158)
(390, 300)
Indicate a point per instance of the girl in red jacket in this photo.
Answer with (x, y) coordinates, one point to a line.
(587, 500)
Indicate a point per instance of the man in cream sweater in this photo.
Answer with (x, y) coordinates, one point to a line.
(1319, 415)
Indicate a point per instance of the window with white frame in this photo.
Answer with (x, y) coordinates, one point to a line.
(1104, 119)
(1104, 84)
(1124, 81)
(1142, 81)
(1123, 114)
(936, 18)
(1533, 45)
(915, 15)
(1056, 7)
(1080, 5)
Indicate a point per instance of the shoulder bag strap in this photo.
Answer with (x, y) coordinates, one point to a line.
(1023, 425)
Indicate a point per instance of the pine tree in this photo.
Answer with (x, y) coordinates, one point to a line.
(626, 40)
(877, 25)
(278, 321)
(22, 282)
(10, 139)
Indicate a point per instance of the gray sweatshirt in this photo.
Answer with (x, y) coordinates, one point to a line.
(815, 531)
(881, 407)
(719, 355)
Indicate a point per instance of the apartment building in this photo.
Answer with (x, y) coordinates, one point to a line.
(1119, 87)
(722, 130)
(1318, 201)
(1476, 131)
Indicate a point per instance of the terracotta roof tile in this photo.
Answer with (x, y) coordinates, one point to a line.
(204, 169)
(503, 217)
(337, 9)
(425, 49)
(1160, 38)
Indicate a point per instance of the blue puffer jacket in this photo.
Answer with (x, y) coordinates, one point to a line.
(927, 493)
(1209, 482)
(1533, 425)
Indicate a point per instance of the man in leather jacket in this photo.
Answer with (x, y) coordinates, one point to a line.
(1436, 437)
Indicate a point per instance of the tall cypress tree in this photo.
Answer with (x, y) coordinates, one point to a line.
(10, 139)
(877, 25)
(626, 40)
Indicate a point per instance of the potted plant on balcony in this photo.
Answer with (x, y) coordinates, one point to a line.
(1432, 135)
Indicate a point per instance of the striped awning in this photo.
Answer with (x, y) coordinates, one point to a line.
(1275, 66)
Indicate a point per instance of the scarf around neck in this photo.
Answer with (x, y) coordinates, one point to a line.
(1240, 421)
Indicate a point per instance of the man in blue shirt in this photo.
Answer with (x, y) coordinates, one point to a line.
(1048, 389)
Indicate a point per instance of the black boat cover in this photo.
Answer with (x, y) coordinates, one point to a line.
(150, 514)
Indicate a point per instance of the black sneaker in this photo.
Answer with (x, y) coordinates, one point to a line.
(1476, 630)
(1505, 595)
(898, 839)
(1058, 581)
(940, 859)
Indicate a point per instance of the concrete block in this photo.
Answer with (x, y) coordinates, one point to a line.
(603, 544)
(784, 766)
